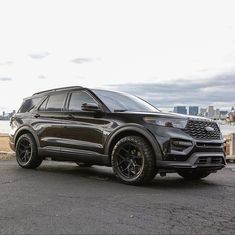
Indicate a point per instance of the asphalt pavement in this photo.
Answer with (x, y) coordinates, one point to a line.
(62, 198)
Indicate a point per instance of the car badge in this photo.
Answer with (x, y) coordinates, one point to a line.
(209, 129)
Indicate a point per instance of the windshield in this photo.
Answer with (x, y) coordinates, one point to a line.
(121, 102)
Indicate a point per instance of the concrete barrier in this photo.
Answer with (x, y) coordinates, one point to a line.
(4, 143)
(7, 155)
(230, 145)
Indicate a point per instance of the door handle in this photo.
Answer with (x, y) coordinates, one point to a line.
(37, 115)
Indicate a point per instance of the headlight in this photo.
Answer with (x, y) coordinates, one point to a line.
(168, 122)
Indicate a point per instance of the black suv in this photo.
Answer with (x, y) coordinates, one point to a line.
(100, 127)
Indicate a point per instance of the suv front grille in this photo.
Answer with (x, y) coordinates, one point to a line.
(197, 130)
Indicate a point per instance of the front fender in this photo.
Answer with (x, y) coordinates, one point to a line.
(138, 129)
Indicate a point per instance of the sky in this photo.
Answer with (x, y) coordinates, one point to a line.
(168, 52)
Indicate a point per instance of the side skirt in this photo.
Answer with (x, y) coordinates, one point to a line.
(57, 154)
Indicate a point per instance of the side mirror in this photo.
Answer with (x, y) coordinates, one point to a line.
(91, 107)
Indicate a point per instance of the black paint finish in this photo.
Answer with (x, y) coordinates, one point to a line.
(89, 136)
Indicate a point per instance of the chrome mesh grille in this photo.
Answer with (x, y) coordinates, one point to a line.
(197, 130)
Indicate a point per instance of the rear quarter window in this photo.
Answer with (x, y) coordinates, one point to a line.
(29, 104)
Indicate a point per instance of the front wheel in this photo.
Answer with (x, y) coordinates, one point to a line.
(191, 175)
(133, 160)
(27, 152)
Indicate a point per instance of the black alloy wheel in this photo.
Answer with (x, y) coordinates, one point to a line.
(24, 150)
(133, 160)
(130, 160)
(27, 153)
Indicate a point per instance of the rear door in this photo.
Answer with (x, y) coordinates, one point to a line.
(47, 121)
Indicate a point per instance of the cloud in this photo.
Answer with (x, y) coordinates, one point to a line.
(5, 79)
(83, 60)
(42, 77)
(39, 56)
(219, 90)
(6, 63)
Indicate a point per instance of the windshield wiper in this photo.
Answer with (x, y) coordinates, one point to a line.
(120, 110)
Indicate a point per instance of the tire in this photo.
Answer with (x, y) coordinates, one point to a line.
(81, 164)
(27, 152)
(194, 175)
(133, 161)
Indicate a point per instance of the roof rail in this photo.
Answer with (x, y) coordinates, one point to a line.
(58, 89)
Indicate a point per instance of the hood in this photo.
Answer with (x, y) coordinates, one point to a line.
(168, 115)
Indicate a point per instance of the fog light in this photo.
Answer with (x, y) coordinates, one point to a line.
(180, 145)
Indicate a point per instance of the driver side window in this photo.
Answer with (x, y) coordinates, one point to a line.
(78, 98)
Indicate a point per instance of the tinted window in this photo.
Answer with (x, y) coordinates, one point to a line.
(43, 105)
(55, 102)
(117, 101)
(29, 105)
(79, 98)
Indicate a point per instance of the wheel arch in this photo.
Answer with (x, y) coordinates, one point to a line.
(25, 130)
(133, 130)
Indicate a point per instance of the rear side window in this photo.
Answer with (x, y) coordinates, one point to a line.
(43, 105)
(55, 102)
(28, 105)
(79, 98)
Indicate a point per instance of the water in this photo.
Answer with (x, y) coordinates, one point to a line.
(4, 126)
(225, 129)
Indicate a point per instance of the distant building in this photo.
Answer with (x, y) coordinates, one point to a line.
(7, 116)
(193, 110)
(203, 112)
(217, 114)
(223, 115)
(180, 109)
(231, 115)
(211, 111)
(11, 114)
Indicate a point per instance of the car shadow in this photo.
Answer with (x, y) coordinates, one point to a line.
(97, 173)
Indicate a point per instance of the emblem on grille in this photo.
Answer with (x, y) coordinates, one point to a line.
(209, 129)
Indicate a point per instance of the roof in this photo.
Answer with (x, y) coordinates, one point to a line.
(59, 89)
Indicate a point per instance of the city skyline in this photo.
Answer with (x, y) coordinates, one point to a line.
(210, 111)
(188, 109)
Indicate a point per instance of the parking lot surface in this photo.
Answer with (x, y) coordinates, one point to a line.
(62, 198)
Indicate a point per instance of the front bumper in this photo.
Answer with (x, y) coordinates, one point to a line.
(209, 161)
(181, 151)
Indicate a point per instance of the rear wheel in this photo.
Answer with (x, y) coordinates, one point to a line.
(133, 160)
(194, 175)
(27, 153)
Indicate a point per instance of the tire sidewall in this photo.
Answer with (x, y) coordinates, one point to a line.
(34, 154)
(148, 160)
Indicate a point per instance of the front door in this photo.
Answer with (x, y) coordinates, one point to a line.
(82, 131)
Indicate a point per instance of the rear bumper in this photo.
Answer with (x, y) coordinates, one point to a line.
(209, 161)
